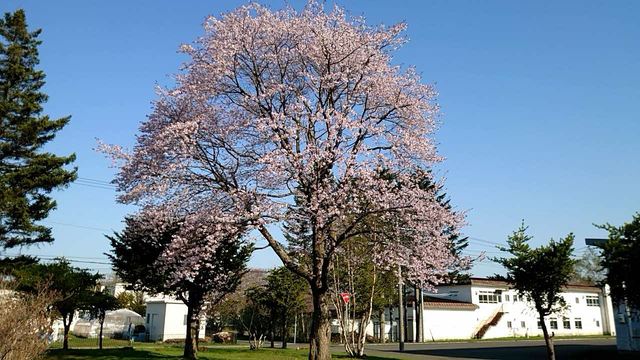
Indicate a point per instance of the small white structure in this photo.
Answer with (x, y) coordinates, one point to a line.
(117, 323)
(485, 308)
(627, 321)
(166, 319)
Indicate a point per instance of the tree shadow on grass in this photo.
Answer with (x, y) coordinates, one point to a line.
(106, 354)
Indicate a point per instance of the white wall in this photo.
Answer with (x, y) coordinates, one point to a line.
(516, 312)
(154, 321)
(447, 324)
(169, 321)
(627, 322)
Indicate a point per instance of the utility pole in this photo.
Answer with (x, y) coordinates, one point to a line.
(400, 310)
(421, 312)
(417, 316)
(295, 328)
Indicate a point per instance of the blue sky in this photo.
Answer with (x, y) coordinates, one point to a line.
(539, 101)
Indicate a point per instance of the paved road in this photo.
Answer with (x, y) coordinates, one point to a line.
(600, 349)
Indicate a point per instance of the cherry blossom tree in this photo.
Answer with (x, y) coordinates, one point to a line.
(155, 253)
(298, 114)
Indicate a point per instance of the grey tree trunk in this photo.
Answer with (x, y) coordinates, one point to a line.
(551, 355)
(383, 335)
(319, 337)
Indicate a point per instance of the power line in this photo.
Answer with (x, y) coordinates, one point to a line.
(78, 226)
(70, 259)
(99, 182)
(485, 241)
(94, 186)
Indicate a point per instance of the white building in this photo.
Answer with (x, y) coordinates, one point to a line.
(166, 319)
(485, 308)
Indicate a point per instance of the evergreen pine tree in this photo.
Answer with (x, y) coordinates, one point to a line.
(27, 173)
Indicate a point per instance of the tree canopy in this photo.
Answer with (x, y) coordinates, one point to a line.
(74, 287)
(540, 274)
(621, 258)
(307, 105)
(153, 253)
(27, 173)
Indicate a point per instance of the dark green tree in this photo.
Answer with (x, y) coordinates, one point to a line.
(458, 242)
(74, 287)
(287, 294)
(621, 258)
(540, 274)
(256, 316)
(137, 259)
(97, 304)
(27, 173)
(132, 300)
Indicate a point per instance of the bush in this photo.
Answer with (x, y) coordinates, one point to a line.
(24, 322)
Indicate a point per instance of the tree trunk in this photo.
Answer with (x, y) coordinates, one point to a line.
(383, 335)
(548, 340)
(190, 346)
(197, 335)
(285, 330)
(101, 328)
(272, 329)
(66, 324)
(319, 336)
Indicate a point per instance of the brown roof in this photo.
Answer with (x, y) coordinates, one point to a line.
(432, 302)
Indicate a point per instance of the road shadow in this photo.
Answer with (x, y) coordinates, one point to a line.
(568, 351)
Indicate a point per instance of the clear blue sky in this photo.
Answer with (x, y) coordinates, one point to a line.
(540, 103)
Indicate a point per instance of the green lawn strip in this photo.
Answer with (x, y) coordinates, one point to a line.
(162, 351)
(79, 342)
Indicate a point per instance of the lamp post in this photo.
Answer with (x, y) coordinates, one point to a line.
(598, 242)
(400, 310)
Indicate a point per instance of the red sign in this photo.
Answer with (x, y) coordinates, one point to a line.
(345, 297)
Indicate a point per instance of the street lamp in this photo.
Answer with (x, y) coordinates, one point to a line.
(595, 242)
(600, 243)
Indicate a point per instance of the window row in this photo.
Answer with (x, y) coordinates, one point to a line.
(487, 297)
(566, 323)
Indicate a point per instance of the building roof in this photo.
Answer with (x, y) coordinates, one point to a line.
(581, 287)
(432, 302)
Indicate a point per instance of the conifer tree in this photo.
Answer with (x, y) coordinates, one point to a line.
(540, 274)
(27, 173)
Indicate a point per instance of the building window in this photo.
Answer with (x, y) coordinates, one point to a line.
(522, 324)
(554, 323)
(509, 324)
(539, 324)
(506, 298)
(489, 297)
(597, 323)
(566, 323)
(578, 323)
(577, 300)
(148, 318)
(184, 321)
(593, 300)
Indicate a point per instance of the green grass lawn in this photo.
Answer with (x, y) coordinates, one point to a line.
(78, 342)
(162, 351)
